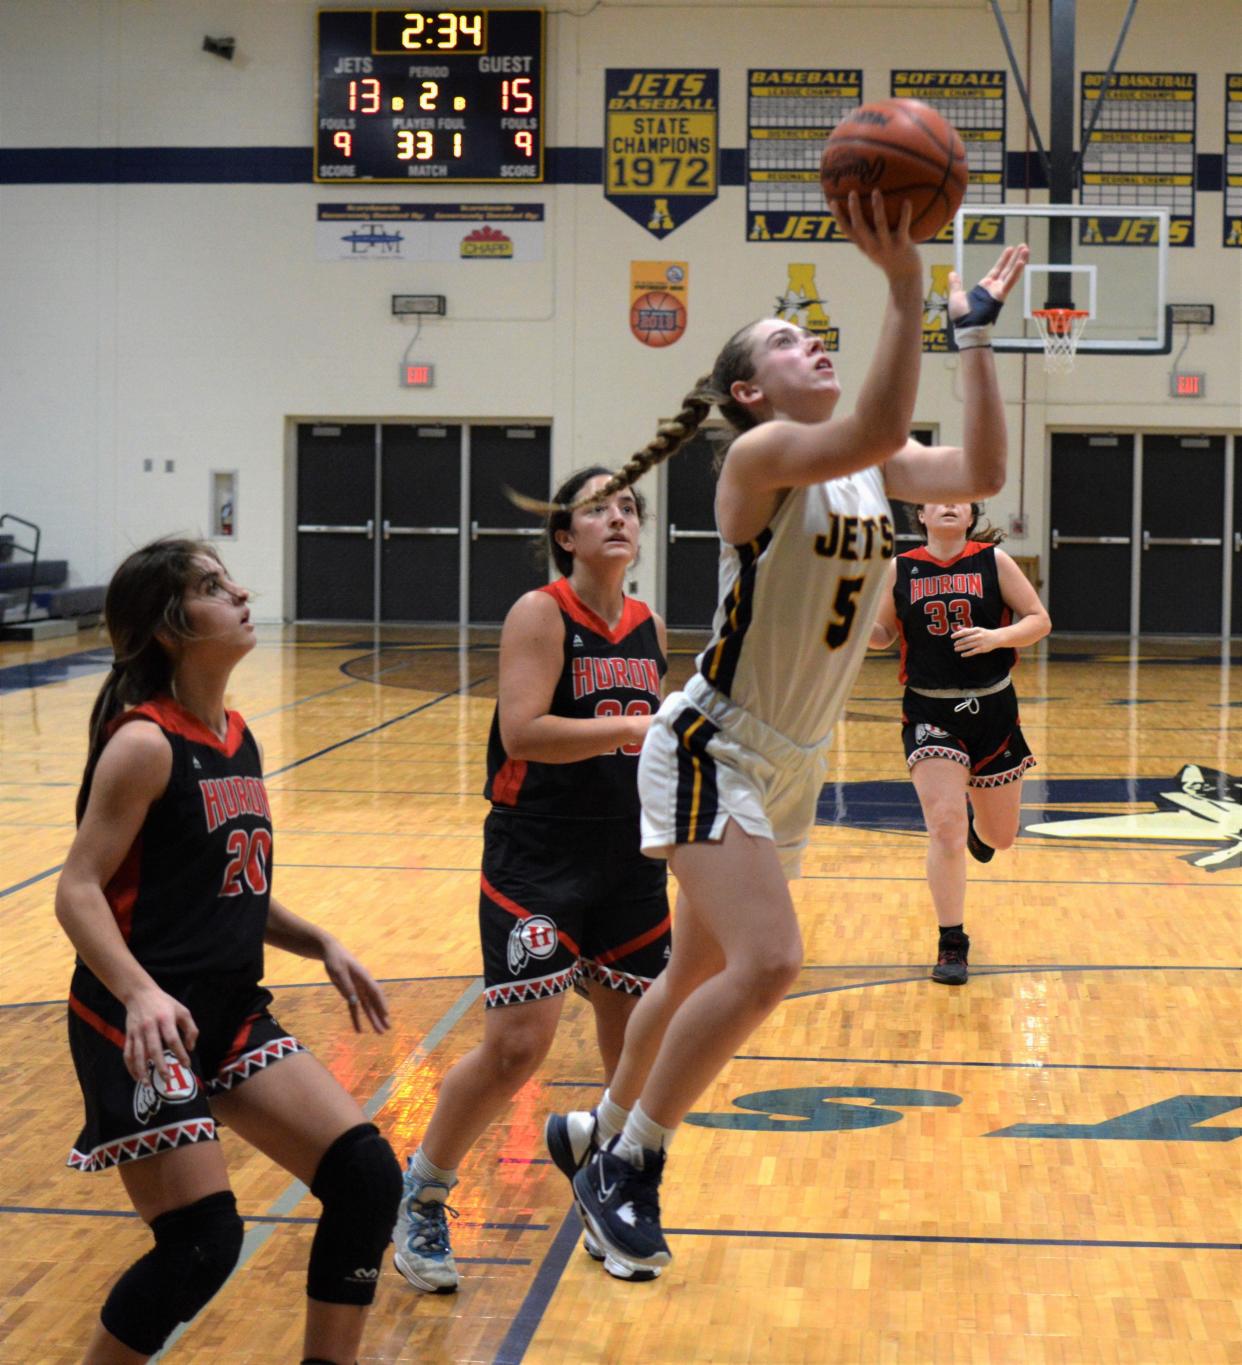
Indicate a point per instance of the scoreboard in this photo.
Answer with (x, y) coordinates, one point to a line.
(430, 96)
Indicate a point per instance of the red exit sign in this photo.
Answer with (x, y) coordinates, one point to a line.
(417, 376)
(1187, 384)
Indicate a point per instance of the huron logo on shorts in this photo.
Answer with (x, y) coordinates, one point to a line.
(924, 732)
(531, 937)
(152, 1094)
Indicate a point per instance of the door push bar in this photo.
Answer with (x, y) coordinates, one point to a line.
(313, 529)
(476, 530)
(674, 533)
(1058, 540)
(1149, 540)
(390, 530)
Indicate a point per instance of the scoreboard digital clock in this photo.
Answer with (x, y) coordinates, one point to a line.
(430, 96)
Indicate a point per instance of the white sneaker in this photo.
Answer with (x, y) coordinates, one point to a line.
(421, 1237)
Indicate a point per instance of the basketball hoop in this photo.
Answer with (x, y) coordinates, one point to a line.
(1060, 329)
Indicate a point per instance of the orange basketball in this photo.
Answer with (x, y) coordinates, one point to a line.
(904, 149)
(658, 318)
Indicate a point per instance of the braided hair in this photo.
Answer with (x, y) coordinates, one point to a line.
(734, 362)
(146, 595)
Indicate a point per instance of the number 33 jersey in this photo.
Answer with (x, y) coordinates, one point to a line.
(797, 603)
(192, 893)
(934, 599)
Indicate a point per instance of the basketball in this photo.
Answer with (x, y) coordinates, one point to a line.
(904, 149)
(658, 319)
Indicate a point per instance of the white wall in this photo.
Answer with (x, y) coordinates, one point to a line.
(192, 322)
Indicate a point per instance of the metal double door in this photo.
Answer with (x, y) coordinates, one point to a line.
(1144, 529)
(408, 522)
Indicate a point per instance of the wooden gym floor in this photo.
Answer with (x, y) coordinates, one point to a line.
(1040, 1167)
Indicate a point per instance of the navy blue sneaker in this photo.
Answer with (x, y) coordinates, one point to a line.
(620, 1205)
(571, 1140)
(979, 851)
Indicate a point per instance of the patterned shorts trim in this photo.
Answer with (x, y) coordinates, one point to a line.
(1003, 779)
(626, 982)
(147, 1143)
(518, 992)
(937, 751)
(243, 1067)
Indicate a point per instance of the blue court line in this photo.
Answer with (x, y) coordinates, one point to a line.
(301, 701)
(374, 729)
(64, 668)
(930, 1238)
(30, 881)
(530, 1313)
(1003, 1066)
(265, 1218)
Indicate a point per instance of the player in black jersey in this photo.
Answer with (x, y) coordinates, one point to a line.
(961, 609)
(566, 898)
(165, 895)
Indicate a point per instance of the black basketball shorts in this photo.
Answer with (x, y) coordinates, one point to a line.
(128, 1119)
(986, 737)
(565, 900)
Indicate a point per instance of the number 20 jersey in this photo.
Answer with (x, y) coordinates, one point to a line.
(191, 896)
(934, 599)
(797, 604)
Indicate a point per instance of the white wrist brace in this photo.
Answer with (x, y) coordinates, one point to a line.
(972, 338)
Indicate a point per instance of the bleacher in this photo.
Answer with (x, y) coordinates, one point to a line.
(35, 601)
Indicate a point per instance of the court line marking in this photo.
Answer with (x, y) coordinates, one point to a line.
(951, 1240)
(996, 969)
(1010, 1066)
(257, 1218)
(529, 1316)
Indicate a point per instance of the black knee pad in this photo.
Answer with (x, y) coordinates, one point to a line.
(196, 1248)
(359, 1184)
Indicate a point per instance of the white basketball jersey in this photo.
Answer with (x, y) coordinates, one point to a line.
(797, 604)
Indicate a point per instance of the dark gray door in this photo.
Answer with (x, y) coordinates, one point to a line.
(504, 540)
(692, 547)
(336, 522)
(1183, 535)
(1091, 513)
(1235, 627)
(420, 523)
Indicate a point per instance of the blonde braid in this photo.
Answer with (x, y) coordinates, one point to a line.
(670, 437)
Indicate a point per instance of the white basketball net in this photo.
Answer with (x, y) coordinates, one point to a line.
(1060, 328)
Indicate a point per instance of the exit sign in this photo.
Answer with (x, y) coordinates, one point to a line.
(417, 376)
(1187, 384)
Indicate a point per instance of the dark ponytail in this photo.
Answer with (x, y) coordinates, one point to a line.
(146, 595)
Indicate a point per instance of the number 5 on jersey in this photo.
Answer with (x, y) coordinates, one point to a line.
(844, 608)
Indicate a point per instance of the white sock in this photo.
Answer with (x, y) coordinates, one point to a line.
(639, 1133)
(609, 1118)
(426, 1170)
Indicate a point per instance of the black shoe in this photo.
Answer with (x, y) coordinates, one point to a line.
(950, 968)
(620, 1205)
(979, 851)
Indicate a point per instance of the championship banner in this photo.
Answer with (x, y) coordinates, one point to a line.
(429, 232)
(1142, 152)
(658, 301)
(789, 114)
(802, 304)
(1233, 160)
(974, 103)
(661, 144)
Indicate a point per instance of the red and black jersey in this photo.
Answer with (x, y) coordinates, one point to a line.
(605, 673)
(936, 598)
(191, 895)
